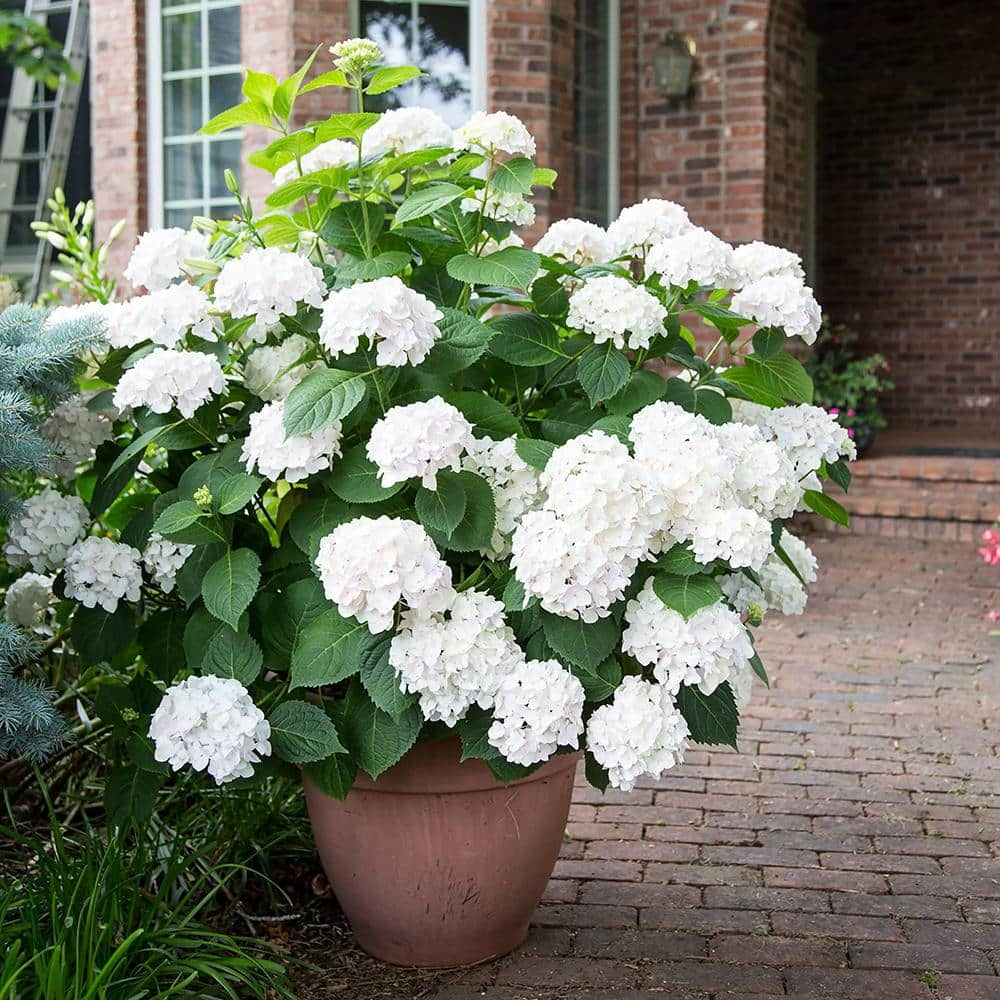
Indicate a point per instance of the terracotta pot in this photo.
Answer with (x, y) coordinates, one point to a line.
(437, 863)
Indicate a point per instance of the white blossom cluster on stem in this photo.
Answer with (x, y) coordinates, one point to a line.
(537, 709)
(781, 301)
(334, 153)
(496, 132)
(47, 526)
(164, 559)
(456, 658)
(639, 227)
(272, 372)
(369, 565)
(399, 322)
(163, 317)
(211, 724)
(502, 206)
(611, 308)
(639, 732)
(158, 257)
(693, 255)
(76, 431)
(102, 572)
(758, 260)
(166, 379)
(267, 284)
(418, 441)
(292, 457)
(405, 130)
(702, 650)
(576, 241)
(26, 600)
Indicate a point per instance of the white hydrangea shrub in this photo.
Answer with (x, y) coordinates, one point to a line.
(370, 321)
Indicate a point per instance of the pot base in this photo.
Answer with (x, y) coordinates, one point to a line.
(437, 864)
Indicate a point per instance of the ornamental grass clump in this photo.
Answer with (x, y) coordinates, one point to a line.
(382, 474)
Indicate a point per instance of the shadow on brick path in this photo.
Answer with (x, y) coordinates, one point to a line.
(850, 850)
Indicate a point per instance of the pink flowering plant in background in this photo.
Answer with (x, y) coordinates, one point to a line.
(358, 468)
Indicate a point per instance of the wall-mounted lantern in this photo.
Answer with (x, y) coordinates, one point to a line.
(673, 64)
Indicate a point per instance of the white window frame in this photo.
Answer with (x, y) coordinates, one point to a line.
(156, 141)
(477, 41)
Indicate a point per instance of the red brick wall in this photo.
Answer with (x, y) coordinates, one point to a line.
(909, 243)
(118, 121)
(707, 151)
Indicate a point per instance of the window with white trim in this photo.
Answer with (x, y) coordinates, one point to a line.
(194, 48)
(445, 38)
(595, 110)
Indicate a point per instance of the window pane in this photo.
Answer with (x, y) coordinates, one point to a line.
(182, 165)
(223, 92)
(182, 106)
(222, 156)
(224, 36)
(438, 44)
(178, 217)
(591, 110)
(182, 41)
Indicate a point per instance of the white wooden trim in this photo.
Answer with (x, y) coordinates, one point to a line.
(479, 95)
(154, 114)
(614, 109)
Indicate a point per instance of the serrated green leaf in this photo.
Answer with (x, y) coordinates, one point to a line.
(161, 638)
(534, 451)
(826, 507)
(354, 478)
(332, 78)
(236, 491)
(253, 112)
(713, 719)
(679, 560)
(333, 776)
(713, 406)
(302, 733)
(380, 679)
(230, 585)
(351, 269)
(289, 615)
(780, 375)
(320, 398)
(686, 594)
(426, 201)
(233, 654)
(389, 77)
(475, 530)
(354, 227)
(176, 517)
(603, 371)
(840, 473)
(375, 739)
(513, 176)
(316, 517)
(514, 597)
(345, 126)
(601, 682)
(514, 267)
(443, 508)
(328, 650)
(586, 644)
(489, 417)
(643, 387)
(526, 340)
(98, 636)
(463, 341)
(768, 342)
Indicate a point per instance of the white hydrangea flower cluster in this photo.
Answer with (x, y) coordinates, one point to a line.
(693, 255)
(334, 153)
(454, 659)
(494, 246)
(163, 560)
(576, 241)
(502, 206)
(168, 379)
(703, 650)
(400, 322)
(538, 708)
(693, 485)
(641, 226)
(418, 441)
(764, 478)
(267, 283)
(782, 301)
(101, 571)
(44, 530)
(516, 486)
(741, 591)
(496, 132)
(163, 317)
(578, 552)
(807, 434)
(783, 591)
(641, 731)
(758, 260)
(159, 256)
(355, 55)
(291, 458)
(367, 566)
(405, 130)
(27, 599)
(272, 372)
(612, 308)
(76, 431)
(212, 724)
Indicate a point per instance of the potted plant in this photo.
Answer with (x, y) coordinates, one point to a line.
(850, 385)
(365, 487)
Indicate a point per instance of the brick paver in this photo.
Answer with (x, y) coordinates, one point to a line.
(850, 850)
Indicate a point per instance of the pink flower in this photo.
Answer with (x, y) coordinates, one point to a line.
(834, 411)
(851, 413)
(994, 616)
(991, 550)
(850, 432)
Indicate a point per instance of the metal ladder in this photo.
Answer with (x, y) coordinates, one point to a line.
(28, 97)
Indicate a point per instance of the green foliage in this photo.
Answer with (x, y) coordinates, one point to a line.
(28, 45)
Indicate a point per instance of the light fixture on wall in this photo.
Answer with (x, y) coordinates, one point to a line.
(673, 64)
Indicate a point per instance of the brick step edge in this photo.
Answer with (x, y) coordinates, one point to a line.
(967, 532)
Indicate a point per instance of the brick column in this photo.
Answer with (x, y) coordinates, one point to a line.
(118, 122)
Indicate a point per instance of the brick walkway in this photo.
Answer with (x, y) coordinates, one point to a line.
(851, 850)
